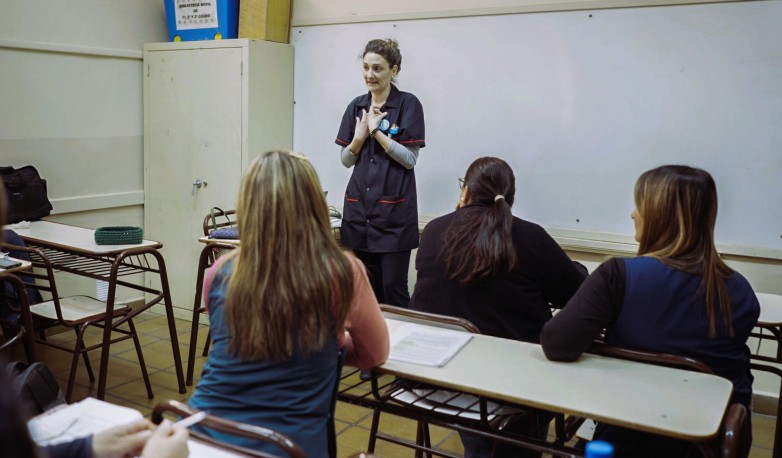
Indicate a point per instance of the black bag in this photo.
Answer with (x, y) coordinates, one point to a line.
(35, 386)
(27, 198)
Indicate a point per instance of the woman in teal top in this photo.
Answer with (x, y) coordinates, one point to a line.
(281, 306)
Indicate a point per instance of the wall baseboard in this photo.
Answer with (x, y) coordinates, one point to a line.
(765, 404)
(97, 202)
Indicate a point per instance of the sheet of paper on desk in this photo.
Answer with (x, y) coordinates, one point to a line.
(426, 346)
(78, 420)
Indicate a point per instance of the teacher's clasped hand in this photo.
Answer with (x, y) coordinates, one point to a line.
(381, 134)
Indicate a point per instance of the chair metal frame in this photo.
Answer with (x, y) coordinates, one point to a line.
(23, 329)
(43, 279)
(236, 428)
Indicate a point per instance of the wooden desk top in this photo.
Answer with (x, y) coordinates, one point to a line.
(671, 402)
(73, 239)
(227, 241)
(770, 309)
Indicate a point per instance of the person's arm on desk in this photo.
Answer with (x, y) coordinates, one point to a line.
(365, 338)
(594, 307)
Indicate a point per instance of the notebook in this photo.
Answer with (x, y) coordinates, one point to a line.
(79, 419)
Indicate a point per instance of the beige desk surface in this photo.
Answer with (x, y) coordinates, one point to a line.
(72, 238)
(25, 265)
(645, 397)
(770, 309)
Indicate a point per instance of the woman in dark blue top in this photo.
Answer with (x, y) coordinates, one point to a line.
(677, 297)
(380, 134)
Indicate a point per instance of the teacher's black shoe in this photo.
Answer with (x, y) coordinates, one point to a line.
(365, 374)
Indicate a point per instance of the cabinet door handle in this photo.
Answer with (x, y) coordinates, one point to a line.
(197, 184)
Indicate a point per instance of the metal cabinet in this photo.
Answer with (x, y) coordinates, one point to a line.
(210, 107)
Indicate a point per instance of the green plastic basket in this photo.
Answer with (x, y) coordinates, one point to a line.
(118, 235)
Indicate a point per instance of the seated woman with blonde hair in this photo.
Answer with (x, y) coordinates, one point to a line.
(677, 296)
(281, 307)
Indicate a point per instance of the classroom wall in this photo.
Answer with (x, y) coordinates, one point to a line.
(70, 92)
(579, 104)
(318, 12)
(70, 88)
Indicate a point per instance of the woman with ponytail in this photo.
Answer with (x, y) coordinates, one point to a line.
(500, 272)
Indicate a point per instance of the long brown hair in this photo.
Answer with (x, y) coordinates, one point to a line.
(479, 244)
(678, 207)
(291, 284)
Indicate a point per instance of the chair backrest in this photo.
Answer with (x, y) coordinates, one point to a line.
(218, 218)
(40, 277)
(660, 359)
(13, 333)
(231, 427)
(431, 319)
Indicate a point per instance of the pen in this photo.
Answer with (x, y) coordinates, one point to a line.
(192, 419)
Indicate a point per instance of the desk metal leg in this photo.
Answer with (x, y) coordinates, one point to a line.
(107, 328)
(203, 264)
(171, 320)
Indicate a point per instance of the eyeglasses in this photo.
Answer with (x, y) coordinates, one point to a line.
(461, 183)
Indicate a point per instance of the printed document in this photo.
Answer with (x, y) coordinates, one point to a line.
(426, 345)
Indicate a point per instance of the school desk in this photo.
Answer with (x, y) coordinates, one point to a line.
(73, 249)
(671, 402)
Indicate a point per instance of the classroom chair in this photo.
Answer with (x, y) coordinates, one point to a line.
(77, 313)
(230, 427)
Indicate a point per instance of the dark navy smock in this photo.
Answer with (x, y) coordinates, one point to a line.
(380, 212)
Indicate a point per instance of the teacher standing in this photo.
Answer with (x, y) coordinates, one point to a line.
(381, 133)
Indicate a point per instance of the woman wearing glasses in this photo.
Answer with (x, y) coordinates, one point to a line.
(500, 272)
(281, 306)
(676, 297)
(380, 135)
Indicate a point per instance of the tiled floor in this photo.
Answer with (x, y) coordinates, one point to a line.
(126, 387)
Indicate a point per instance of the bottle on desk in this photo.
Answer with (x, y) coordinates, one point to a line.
(599, 449)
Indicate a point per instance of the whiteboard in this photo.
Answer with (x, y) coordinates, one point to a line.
(579, 103)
